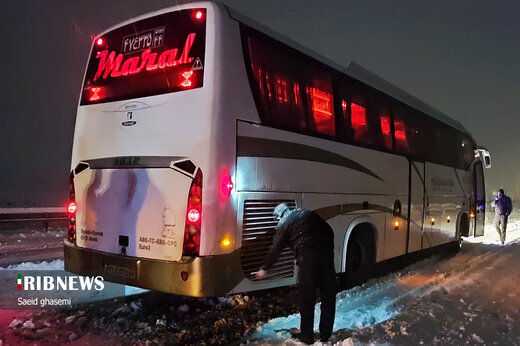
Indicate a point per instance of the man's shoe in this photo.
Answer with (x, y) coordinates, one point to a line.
(324, 339)
(306, 339)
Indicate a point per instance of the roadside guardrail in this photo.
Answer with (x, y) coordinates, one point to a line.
(36, 217)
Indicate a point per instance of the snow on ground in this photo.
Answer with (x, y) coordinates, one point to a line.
(44, 265)
(59, 265)
(30, 245)
(472, 297)
(491, 234)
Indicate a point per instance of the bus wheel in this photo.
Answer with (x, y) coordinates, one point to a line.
(360, 258)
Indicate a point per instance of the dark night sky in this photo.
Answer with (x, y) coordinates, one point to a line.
(462, 57)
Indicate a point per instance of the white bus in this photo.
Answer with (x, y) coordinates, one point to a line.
(194, 123)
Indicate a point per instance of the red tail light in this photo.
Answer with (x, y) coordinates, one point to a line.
(191, 245)
(193, 215)
(96, 94)
(71, 209)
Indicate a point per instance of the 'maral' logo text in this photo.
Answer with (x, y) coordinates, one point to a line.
(116, 66)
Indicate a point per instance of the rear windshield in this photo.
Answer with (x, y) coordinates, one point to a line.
(152, 56)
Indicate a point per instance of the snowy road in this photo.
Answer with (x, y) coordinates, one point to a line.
(470, 298)
(473, 297)
(30, 245)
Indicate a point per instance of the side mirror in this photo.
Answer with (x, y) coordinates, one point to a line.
(483, 155)
(486, 160)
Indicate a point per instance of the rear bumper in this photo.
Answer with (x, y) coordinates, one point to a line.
(207, 276)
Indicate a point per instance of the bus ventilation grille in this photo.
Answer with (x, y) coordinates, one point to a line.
(258, 228)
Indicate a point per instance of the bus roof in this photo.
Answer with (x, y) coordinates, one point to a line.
(355, 71)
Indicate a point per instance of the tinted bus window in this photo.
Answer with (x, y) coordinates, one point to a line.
(413, 133)
(386, 129)
(153, 56)
(364, 119)
(444, 144)
(401, 136)
(358, 124)
(321, 106)
(465, 153)
(365, 126)
(291, 90)
(428, 139)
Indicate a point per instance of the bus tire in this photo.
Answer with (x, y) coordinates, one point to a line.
(360, 257)
(464, 225)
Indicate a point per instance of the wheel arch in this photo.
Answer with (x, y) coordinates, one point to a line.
(355, 225)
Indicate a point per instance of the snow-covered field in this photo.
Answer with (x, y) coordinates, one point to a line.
(470, 298)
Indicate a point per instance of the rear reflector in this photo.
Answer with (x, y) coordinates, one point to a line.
(184, 276)
(226, 185)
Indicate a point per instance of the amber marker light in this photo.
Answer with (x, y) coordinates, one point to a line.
(472, 215)
(433, 221)
(396, 225)
(226, 242)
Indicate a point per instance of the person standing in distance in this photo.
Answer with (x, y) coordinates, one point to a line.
(312, 241)
(503, 207)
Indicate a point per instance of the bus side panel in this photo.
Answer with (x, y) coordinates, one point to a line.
(444, 202)
(395, 239)
(340, 211)
(346, 169)
(275, 160)
(230, 98)
(417, 207)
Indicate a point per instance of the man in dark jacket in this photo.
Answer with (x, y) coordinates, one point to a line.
(312, 241)
(503, 207)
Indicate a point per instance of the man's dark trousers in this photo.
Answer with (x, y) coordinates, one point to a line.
(316, 270)
(501, 226)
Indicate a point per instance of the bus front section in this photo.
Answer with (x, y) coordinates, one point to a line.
(141, 212)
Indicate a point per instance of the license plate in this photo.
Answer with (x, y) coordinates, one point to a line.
(120, 271)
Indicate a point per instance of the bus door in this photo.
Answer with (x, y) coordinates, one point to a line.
(416, 206)
(480, 199)
(430, 209)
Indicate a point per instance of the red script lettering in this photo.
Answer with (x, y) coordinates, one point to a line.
(115, 66)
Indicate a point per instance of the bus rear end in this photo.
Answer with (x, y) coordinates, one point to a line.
(142, 158)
